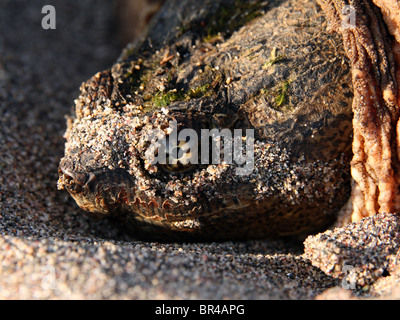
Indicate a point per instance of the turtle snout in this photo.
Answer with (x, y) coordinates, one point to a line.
(74, 182)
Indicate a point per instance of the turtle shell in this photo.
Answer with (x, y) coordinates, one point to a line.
(269, 68)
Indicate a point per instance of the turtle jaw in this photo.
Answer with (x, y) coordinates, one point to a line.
(98, 191)
(78, 185)
(104, 192)
(114, 193)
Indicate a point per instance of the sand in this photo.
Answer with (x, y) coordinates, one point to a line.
(50, 250)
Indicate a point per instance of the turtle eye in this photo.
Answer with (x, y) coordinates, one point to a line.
(179, 156)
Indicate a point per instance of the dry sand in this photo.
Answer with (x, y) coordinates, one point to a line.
(50, 250)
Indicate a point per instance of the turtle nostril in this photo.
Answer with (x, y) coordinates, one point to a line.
(76, 180)
(81, 178)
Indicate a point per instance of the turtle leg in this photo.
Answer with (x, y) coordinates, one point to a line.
(375, 59)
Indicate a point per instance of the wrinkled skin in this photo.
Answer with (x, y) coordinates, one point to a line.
(373, 48)
(302, 150)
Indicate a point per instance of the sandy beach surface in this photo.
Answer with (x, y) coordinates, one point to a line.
(50, 250)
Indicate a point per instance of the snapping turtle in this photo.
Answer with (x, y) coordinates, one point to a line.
(271, 67)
